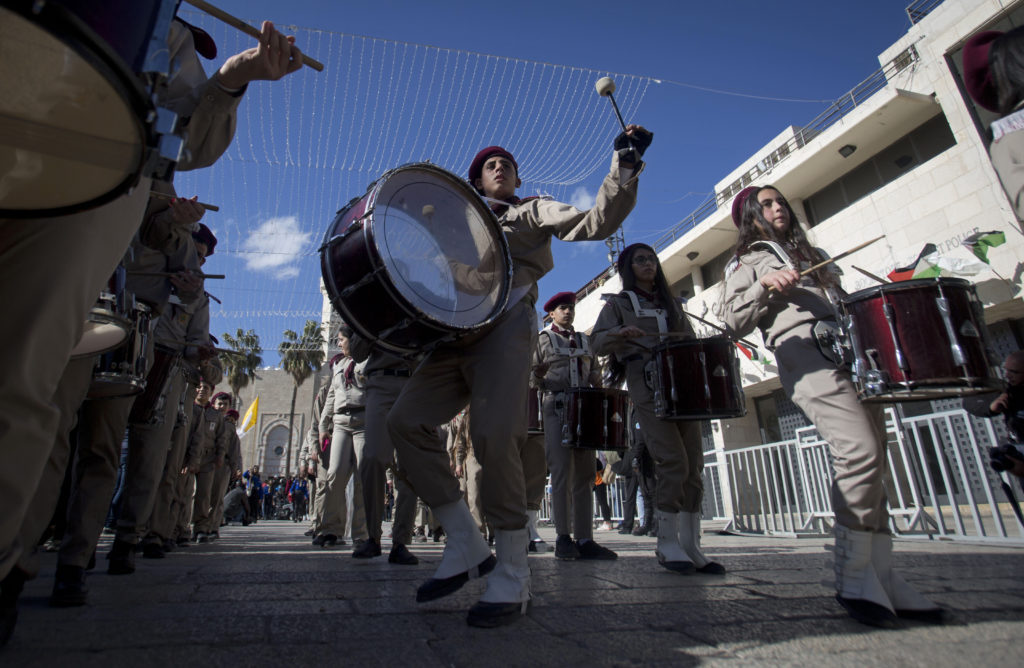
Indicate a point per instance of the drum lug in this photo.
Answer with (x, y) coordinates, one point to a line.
(362, 282)
(954, 344)
(890, 319)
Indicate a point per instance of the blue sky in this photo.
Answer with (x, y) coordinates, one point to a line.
(799, 53)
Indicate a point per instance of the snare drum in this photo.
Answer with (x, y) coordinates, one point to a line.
(148, 406)
(698, 379)
(418, 260)
(122, 371)
(595, 418)
(919, 339)
(76, 122)
(534, 412)
(109, 321)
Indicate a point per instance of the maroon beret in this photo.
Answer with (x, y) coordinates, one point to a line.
(204, 236)
(559, 299)
(205, 46)
(977, 73)
(225, 395)
(737, 204)
(232, 414)
(621, 260)
(476, 167)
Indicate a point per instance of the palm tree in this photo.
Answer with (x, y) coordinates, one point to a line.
(301, 356)
(240, 369)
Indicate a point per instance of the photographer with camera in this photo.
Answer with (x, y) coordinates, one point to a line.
(1009, 404)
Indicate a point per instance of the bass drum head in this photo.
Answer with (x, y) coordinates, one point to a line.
(71, 132)
(441, 247)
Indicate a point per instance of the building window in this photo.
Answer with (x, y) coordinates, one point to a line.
(916, 148)
(713, 271)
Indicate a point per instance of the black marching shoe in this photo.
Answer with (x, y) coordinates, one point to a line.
(69, 588)
(168, 545)
(434, 588)
(122, 558)
(326, 540)
(10, 591)
(309, 532)
(401, 555)
(492, 615)
(153, 550)
(625, 529)
(867, 612)
(565, 548)
(591, 550)
(366, 549)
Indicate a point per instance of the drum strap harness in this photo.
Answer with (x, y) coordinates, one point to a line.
(572, 351)
(659, 313)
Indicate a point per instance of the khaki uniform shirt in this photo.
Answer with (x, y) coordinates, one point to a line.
(551, 349)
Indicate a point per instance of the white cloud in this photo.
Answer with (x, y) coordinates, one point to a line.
(275, 247)
(582, 199)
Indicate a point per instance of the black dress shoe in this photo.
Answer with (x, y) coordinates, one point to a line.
(626, 530)
(153, 551)
(869, 613)
(328, 540)
(401, 555)
(566, 549)
(932, 616)
(10, 591)
(684, 567)
(69, 588)
(169, 545)
(712, 568)
(307, 533)
(435, 588)
(122, 558)
(591, 550)
(366, 549)
(491, 615)
(641, 530)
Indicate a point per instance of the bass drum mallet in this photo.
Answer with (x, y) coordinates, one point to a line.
(605, 88)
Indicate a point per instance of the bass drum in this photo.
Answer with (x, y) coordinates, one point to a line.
(76, 120)
(418, 260)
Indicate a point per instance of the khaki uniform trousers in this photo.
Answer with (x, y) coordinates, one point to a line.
(474, 498)
(163, 517)
(349, 435)
(184, 503)
(854, 431)
(489, 371)
(376, 455)
(316, 504)
(51, 272)
(572, 474)
(69, 397)
(221, 480)
(535, 470)
(675, 447)
(148, 448)
(202, 509)
(101, 430)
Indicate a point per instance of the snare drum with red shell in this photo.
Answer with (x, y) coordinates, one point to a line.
(77, 122)
(418, 260)
(698, 379)
(595, 418)
(919, 339)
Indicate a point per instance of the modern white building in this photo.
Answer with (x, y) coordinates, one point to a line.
(904, 154)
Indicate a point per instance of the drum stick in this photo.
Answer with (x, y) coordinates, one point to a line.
(171, 274)
(176, 342)
(833, 259)
(218, 13)
(208, 207)
(722, 330)
(870, 275)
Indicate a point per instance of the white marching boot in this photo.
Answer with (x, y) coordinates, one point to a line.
(507, 596)
(858, 588)
(537, 543)
(689, 538)
(670, 552)
(466, 554)
(906, 601)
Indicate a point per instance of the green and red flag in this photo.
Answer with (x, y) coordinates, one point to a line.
(979, 243)
(919, 268)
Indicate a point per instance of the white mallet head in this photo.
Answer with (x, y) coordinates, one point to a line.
(605, 86)
(428, 210)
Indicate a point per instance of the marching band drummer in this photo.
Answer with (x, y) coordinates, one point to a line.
(764, 290)
(627, 328)
(562, 360)
(489, 370)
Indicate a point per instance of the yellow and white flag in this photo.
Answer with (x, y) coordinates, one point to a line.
(249, 420)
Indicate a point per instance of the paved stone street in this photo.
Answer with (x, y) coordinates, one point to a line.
(262, 594)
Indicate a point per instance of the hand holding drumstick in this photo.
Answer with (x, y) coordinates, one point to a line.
(274, 57)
